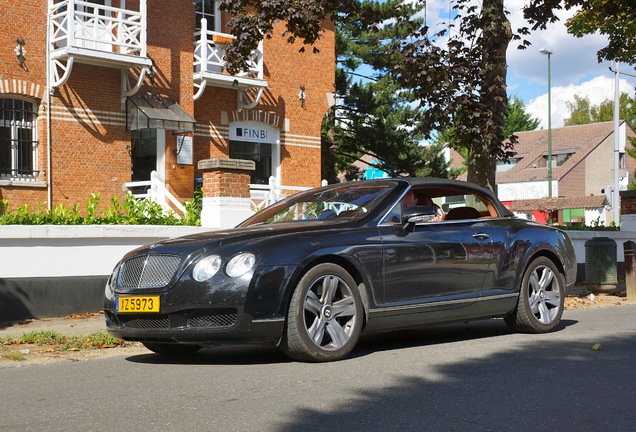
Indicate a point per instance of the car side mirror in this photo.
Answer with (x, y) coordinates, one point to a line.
(418, 214)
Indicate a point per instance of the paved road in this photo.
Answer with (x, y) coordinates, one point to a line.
(467, 377)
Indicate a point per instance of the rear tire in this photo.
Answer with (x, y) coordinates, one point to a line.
(171, 349)
(541, 298)
(325, 316)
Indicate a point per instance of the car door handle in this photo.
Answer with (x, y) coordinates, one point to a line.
(481, 236)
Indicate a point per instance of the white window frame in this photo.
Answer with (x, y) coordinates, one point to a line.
(216, 14)
(14, 126)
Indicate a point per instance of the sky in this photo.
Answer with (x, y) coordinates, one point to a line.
(574, 67)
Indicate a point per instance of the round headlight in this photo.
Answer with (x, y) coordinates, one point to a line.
(206, 268)
(240, 264)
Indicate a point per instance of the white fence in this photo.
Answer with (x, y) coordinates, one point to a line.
(262, 196)
(155, 190)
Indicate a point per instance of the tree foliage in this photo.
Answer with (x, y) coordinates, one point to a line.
(583, 112)
(376, 118)
(517, 118)
(251, 20)
(458, 74)
(614, 18)
(463, 83)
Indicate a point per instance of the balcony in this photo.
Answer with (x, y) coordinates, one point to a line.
(85, 32)
(209, 67)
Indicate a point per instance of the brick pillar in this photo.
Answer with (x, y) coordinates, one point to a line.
(226, 192)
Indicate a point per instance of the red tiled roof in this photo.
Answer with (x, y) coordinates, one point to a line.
(546, 204)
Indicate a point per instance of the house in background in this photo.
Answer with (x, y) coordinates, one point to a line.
(582, 172)
(97, 94)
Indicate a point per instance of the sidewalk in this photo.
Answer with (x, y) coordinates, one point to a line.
(72, 325)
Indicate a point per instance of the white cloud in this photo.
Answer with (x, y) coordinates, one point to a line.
(597, 90)
(573, 58)
(574, 68)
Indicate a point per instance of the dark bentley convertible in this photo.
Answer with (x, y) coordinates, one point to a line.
(311, 272)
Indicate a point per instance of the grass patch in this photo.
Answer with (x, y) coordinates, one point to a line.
(14, 357)
(67, 343)
(92, 341)
(42, 337)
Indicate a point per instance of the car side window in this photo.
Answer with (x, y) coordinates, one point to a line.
(452, 206)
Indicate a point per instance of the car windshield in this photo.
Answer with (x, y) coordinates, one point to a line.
(344, 202)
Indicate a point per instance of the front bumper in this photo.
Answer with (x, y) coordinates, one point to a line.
(200, 326)
(223, 310)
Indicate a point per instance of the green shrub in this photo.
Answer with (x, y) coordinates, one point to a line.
(131, 211)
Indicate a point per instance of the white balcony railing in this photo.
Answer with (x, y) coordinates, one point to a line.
(209, 53)
(209, 66)
(82, 24)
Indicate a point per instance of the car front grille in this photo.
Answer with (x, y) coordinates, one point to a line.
(148, 271)
(189, 319)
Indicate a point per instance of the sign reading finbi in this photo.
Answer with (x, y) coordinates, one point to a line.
(254, 132)
(260, 134)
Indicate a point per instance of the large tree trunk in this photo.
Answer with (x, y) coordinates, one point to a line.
(494, 41)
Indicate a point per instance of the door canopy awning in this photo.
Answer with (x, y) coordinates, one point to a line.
(152, 112)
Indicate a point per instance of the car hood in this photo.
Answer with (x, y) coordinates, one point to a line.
(253, 234)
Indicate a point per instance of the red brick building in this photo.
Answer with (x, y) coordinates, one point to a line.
(95, 94)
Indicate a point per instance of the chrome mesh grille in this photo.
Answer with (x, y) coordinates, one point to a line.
(192, 319)
(160, 322)
(148, 271)
(212, 320)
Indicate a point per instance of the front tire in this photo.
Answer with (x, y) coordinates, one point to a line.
(324, 319)
(541, 298)
(171, 349)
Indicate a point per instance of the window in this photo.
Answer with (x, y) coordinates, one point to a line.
(450, 204)
(505, 166)
(208, 9)
(557, 160)
(90, 10)
(260, 153)
(18, 148)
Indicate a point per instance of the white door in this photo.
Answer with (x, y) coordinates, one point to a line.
(93, 26)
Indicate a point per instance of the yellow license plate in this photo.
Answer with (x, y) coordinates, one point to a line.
(137, 304)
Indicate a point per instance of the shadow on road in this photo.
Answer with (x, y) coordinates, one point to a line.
(543, 383)
(368, 344)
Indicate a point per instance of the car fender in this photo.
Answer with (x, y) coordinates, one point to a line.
(556, 246)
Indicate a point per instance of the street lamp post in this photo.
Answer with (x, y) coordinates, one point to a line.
(549, 53)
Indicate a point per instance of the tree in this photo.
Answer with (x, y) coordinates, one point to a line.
(613, 18)
(517, 118)
(583, 112)
(251, 20)
(580, 111)
(375, 116)
(463, 83)
(458, 74)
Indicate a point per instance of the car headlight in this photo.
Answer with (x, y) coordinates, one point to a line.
(240, 264)
(206, 268)
(112, 280)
